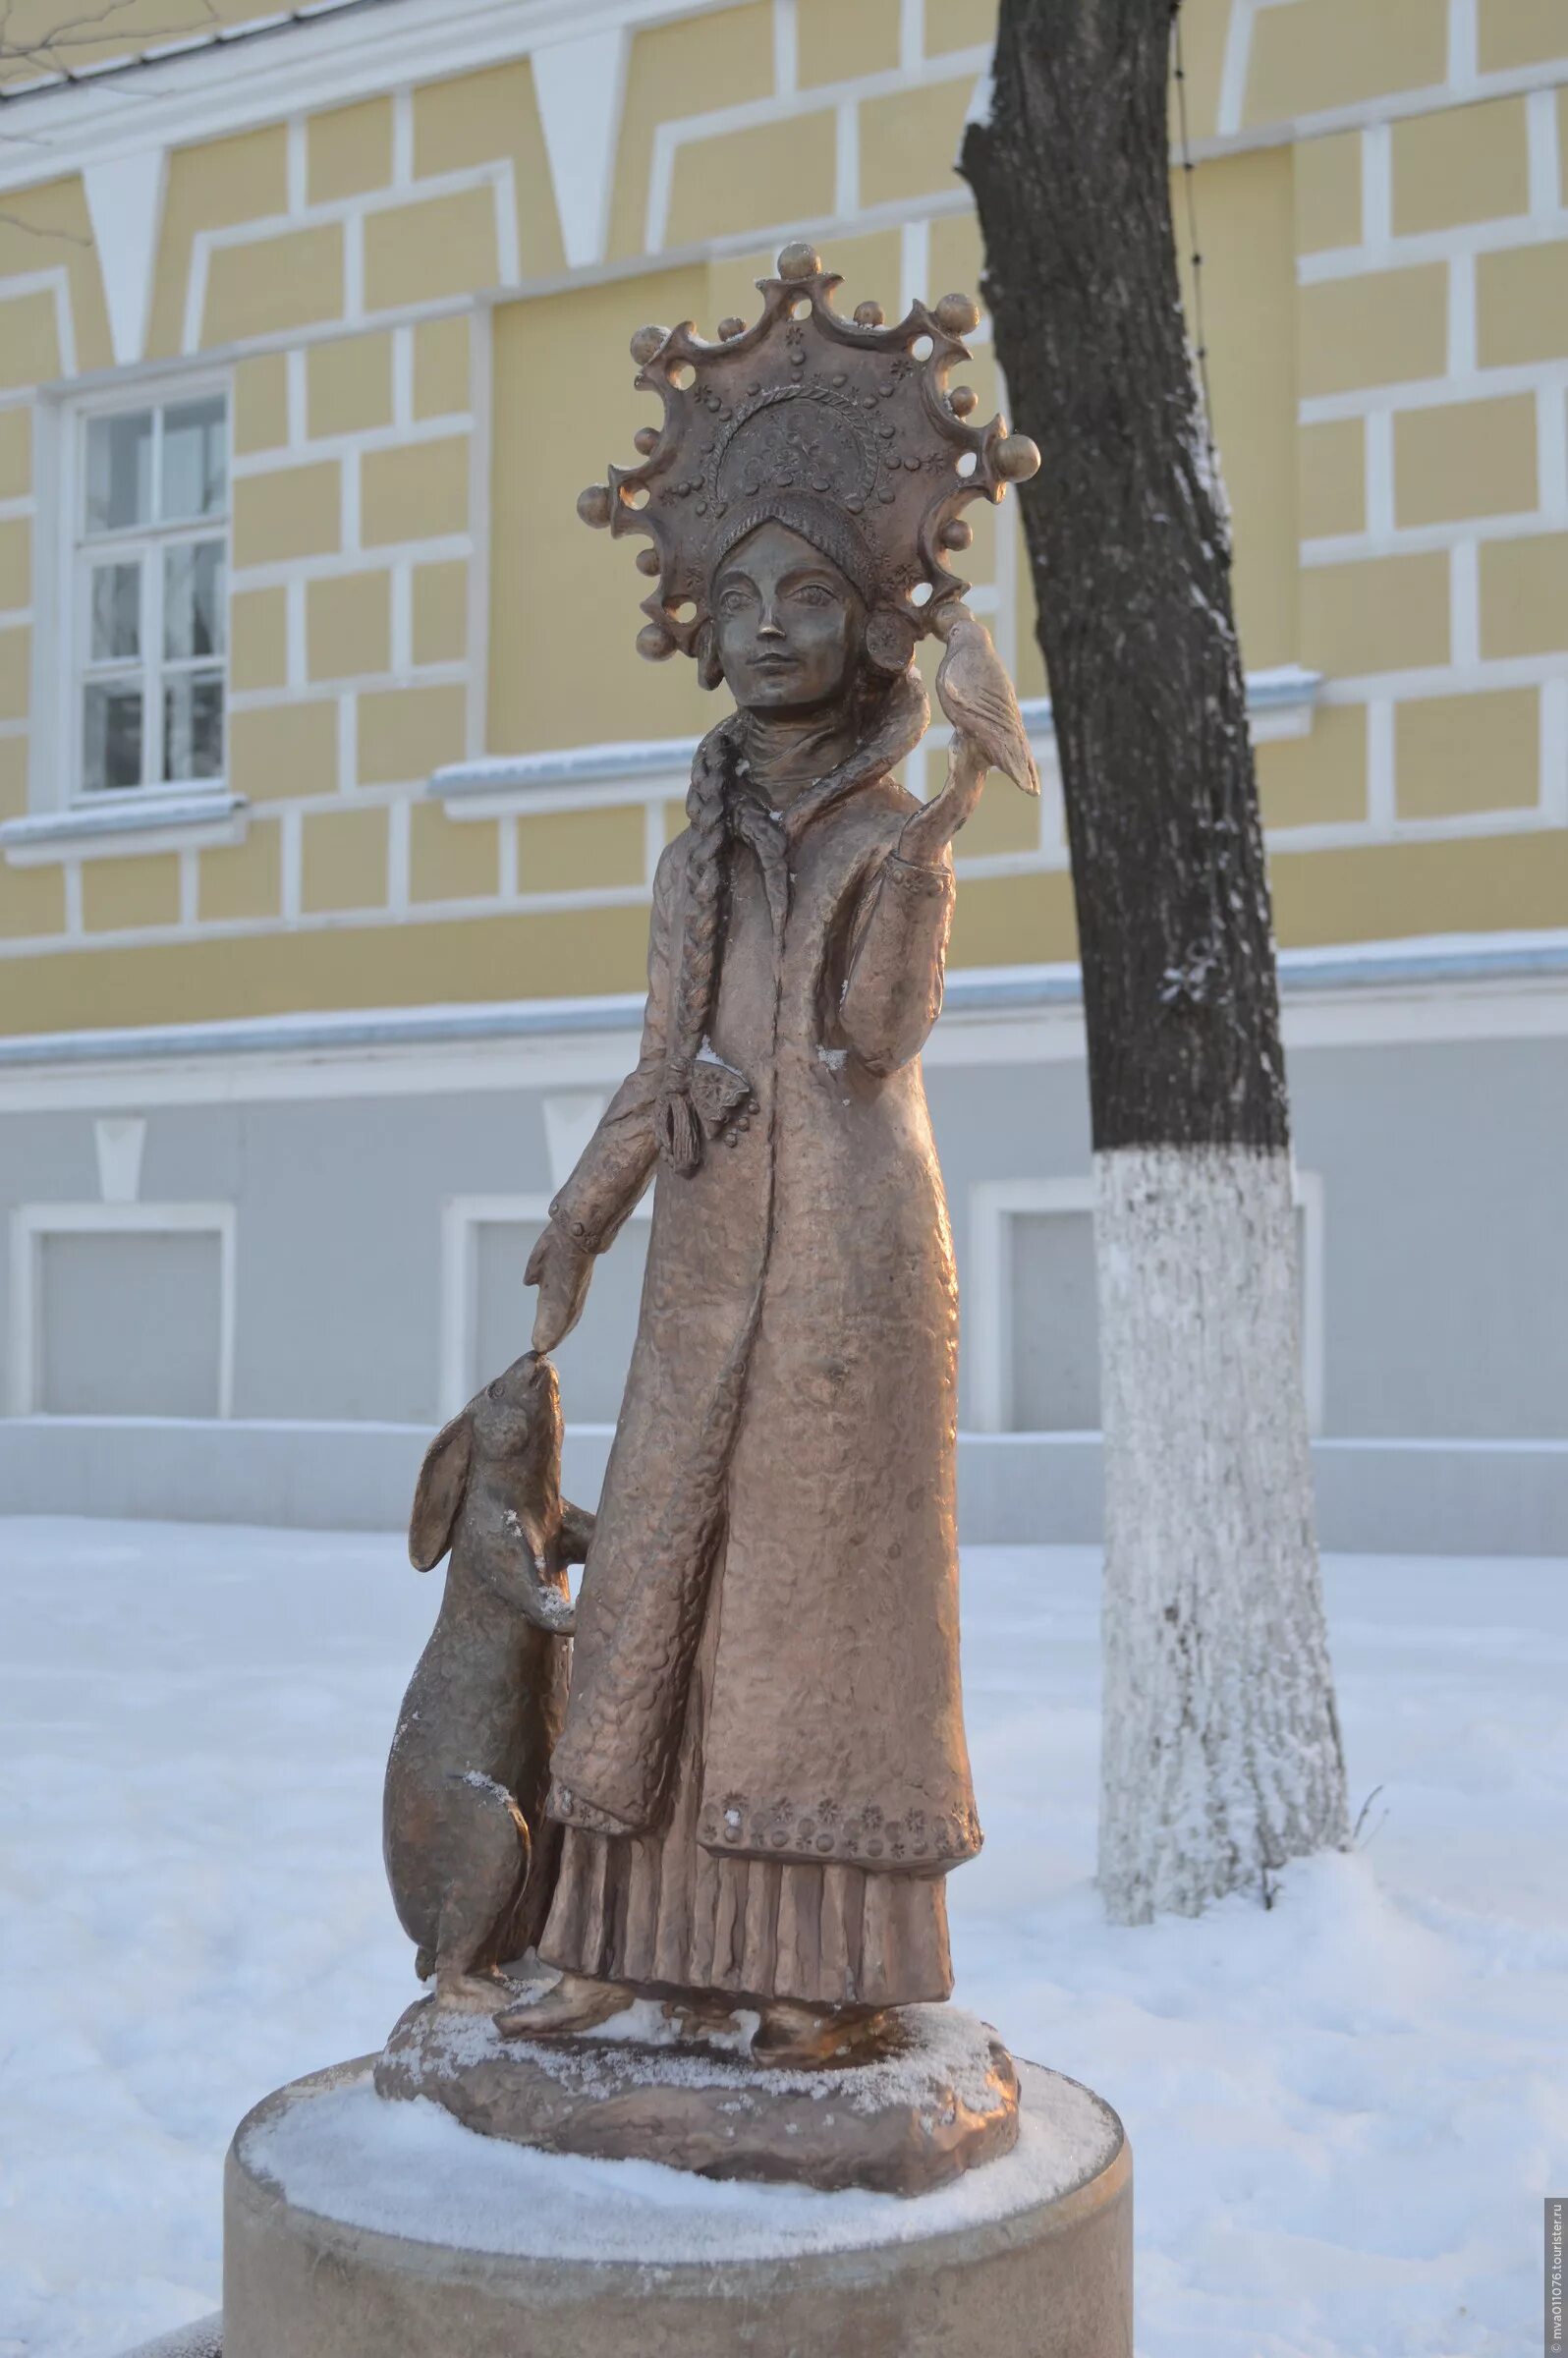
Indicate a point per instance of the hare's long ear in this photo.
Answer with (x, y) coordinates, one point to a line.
(443, 1479)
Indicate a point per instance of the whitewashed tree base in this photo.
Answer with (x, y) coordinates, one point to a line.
(1221, 1755)
(355, 2227)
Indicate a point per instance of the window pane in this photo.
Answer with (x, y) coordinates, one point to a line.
(116, 613)
(195, 459)
(111, 734)
(119, 470)
(192, 600)
(193, 727)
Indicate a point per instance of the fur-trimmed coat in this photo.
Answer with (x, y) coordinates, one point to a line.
(796, 1357)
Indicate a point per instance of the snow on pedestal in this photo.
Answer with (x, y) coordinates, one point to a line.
(202, 2340)
(410, 2170)
(356, 2226)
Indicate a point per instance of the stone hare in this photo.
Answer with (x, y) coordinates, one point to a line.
(468, 1855)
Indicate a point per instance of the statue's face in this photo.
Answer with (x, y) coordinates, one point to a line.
(788, 626)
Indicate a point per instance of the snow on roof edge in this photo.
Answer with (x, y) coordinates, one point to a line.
(220, 36)
(1425, 962)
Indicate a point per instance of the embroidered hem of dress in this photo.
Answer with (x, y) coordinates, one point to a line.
(916, 1843)
(781, 1834)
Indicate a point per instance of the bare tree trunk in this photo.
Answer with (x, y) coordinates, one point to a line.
(1221, 1744)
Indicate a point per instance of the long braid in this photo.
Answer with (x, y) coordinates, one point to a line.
(679, 1133)
(889, 717)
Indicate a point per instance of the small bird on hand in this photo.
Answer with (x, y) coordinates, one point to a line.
(974, 692)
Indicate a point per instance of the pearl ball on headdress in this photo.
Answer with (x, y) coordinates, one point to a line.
(799, 260)
(593, 505)
(646, 342)
(957, 315)
(1016, 458)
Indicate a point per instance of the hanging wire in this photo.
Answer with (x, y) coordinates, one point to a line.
(1194, 251)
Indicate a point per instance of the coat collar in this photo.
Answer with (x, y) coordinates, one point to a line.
(771, 837)
(899, 730)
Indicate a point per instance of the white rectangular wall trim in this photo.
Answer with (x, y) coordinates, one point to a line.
(31, 1225)
(996, 1205)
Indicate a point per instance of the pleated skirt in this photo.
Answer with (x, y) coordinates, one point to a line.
(662, 1912)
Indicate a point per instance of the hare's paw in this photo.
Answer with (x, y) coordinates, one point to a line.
(577, 1531)
(547, 1608)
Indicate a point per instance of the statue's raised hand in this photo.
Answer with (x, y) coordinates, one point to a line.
(561, 1270)
(975, 694)
(929, 832)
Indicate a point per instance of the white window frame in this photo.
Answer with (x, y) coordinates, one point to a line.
(993, 1204)
(570, 1118)
(32, 1224)
(74, 555)
(462, 1219)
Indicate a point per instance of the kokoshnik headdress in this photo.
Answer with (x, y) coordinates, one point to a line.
(846, 430)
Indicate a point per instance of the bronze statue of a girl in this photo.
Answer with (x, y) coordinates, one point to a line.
(763, 1780)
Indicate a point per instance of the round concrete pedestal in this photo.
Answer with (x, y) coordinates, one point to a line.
(359, 2229)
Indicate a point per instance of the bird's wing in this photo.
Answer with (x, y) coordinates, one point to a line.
(977, 696)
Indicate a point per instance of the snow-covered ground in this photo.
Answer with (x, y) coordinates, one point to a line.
(1344, 2110)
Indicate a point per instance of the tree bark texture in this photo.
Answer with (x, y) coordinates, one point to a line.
(1129, 544)
(1221, 1755)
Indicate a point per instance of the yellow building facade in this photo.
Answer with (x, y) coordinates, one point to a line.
(316, 697)
(413, 295)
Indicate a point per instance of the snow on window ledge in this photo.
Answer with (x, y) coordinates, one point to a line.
(1281, 700)
(1279, 703)
(123, 825)
(652, 767)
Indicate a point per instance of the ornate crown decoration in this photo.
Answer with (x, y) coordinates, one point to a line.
(845, 429)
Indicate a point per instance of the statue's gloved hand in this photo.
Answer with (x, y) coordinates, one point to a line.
(561, 1270)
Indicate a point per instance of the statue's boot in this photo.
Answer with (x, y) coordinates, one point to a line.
(819, 2038)
(576, 2003)
(700, 2014)
(473, 1992)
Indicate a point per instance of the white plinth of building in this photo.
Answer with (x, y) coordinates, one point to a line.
(355, 2227)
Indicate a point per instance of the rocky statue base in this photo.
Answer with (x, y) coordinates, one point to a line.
(941, 2099)
(355, 2227)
